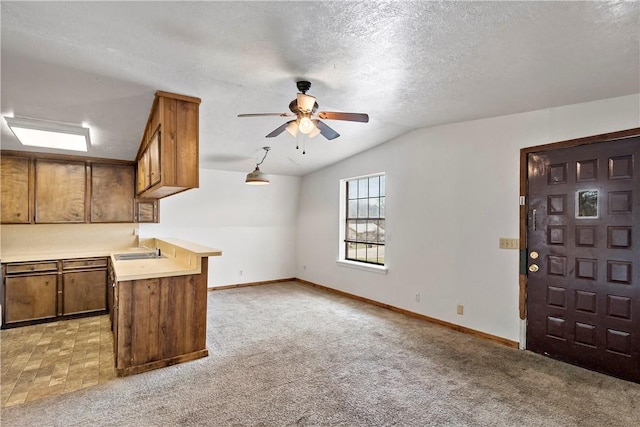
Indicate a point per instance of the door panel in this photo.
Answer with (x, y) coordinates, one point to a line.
(84, 292)
(583, 286)
(30, 297)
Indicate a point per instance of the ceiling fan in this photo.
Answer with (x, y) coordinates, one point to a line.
(307, 118)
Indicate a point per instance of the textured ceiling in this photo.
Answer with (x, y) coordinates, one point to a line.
(407, 64)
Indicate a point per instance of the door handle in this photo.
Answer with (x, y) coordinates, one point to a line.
(533, 268)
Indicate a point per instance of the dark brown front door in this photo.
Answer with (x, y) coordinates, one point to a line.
(583, 256)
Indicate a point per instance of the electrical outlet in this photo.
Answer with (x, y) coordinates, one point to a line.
(507, 243)
(460, 309)
(417, 297)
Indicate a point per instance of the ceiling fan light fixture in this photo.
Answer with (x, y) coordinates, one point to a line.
(304, 108)
(315, 132)
(306, 126)
(306, 102)
(292, 129)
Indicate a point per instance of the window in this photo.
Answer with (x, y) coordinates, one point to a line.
(365, 219)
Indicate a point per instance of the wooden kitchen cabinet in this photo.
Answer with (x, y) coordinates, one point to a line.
(16, 191)
(38, 291)
(168, 160)
(84, 286)
(111, 288)
(84, 292)
(159, 322)
(60, 189)
(42, 188)
(155, 167)
(142, 180)
(30, 291)
(147, 210)
(112, 192)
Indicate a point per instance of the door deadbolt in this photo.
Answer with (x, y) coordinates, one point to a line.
(533, 268)
(533, 255)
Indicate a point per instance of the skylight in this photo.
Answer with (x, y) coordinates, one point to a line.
(48, 134)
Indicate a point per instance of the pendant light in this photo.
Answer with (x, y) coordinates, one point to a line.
(257, 177)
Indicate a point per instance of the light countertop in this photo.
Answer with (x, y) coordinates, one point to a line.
(138, 269)
(56, 254)
(180, 258)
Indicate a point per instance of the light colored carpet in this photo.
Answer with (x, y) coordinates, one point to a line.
(289, 354)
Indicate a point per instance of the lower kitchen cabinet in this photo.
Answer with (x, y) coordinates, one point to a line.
(84, 292)
(40, 291)
(30, 297)
(159, 322)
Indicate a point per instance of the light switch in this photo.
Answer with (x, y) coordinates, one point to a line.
(507, 243)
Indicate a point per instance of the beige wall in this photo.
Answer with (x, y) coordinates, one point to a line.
(18, 240)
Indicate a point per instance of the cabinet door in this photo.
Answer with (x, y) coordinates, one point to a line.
(142, 182)
(155, 172)
(187, 157)
(112, 188)
(84, 291)
(147, 210)
(60, 191)
(14, 175)
(30, 297)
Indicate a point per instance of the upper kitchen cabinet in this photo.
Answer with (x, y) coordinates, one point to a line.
(14, 175)
(146, 210)
(40, 188)
(168, 156)
(60, 191)
(112, 193)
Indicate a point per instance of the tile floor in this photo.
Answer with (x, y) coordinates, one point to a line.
(53, 358)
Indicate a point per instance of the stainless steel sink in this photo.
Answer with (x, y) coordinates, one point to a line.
(137, 255)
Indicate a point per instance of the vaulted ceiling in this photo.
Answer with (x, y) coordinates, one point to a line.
(407, 64)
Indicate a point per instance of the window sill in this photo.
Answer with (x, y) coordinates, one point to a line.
(380, 269)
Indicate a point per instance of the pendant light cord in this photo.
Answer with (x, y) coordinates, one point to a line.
(266, 151)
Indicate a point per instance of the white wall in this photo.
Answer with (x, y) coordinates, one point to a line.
(452, 192)
(254, 226)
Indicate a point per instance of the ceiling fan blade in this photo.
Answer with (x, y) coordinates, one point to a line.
(266, 114)
(279, 130)
(326, 131)
(351, 117)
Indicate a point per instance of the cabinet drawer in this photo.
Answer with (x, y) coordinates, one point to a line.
(31, 267)
(71, 264)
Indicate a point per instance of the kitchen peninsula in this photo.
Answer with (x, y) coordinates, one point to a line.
(159, 305)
